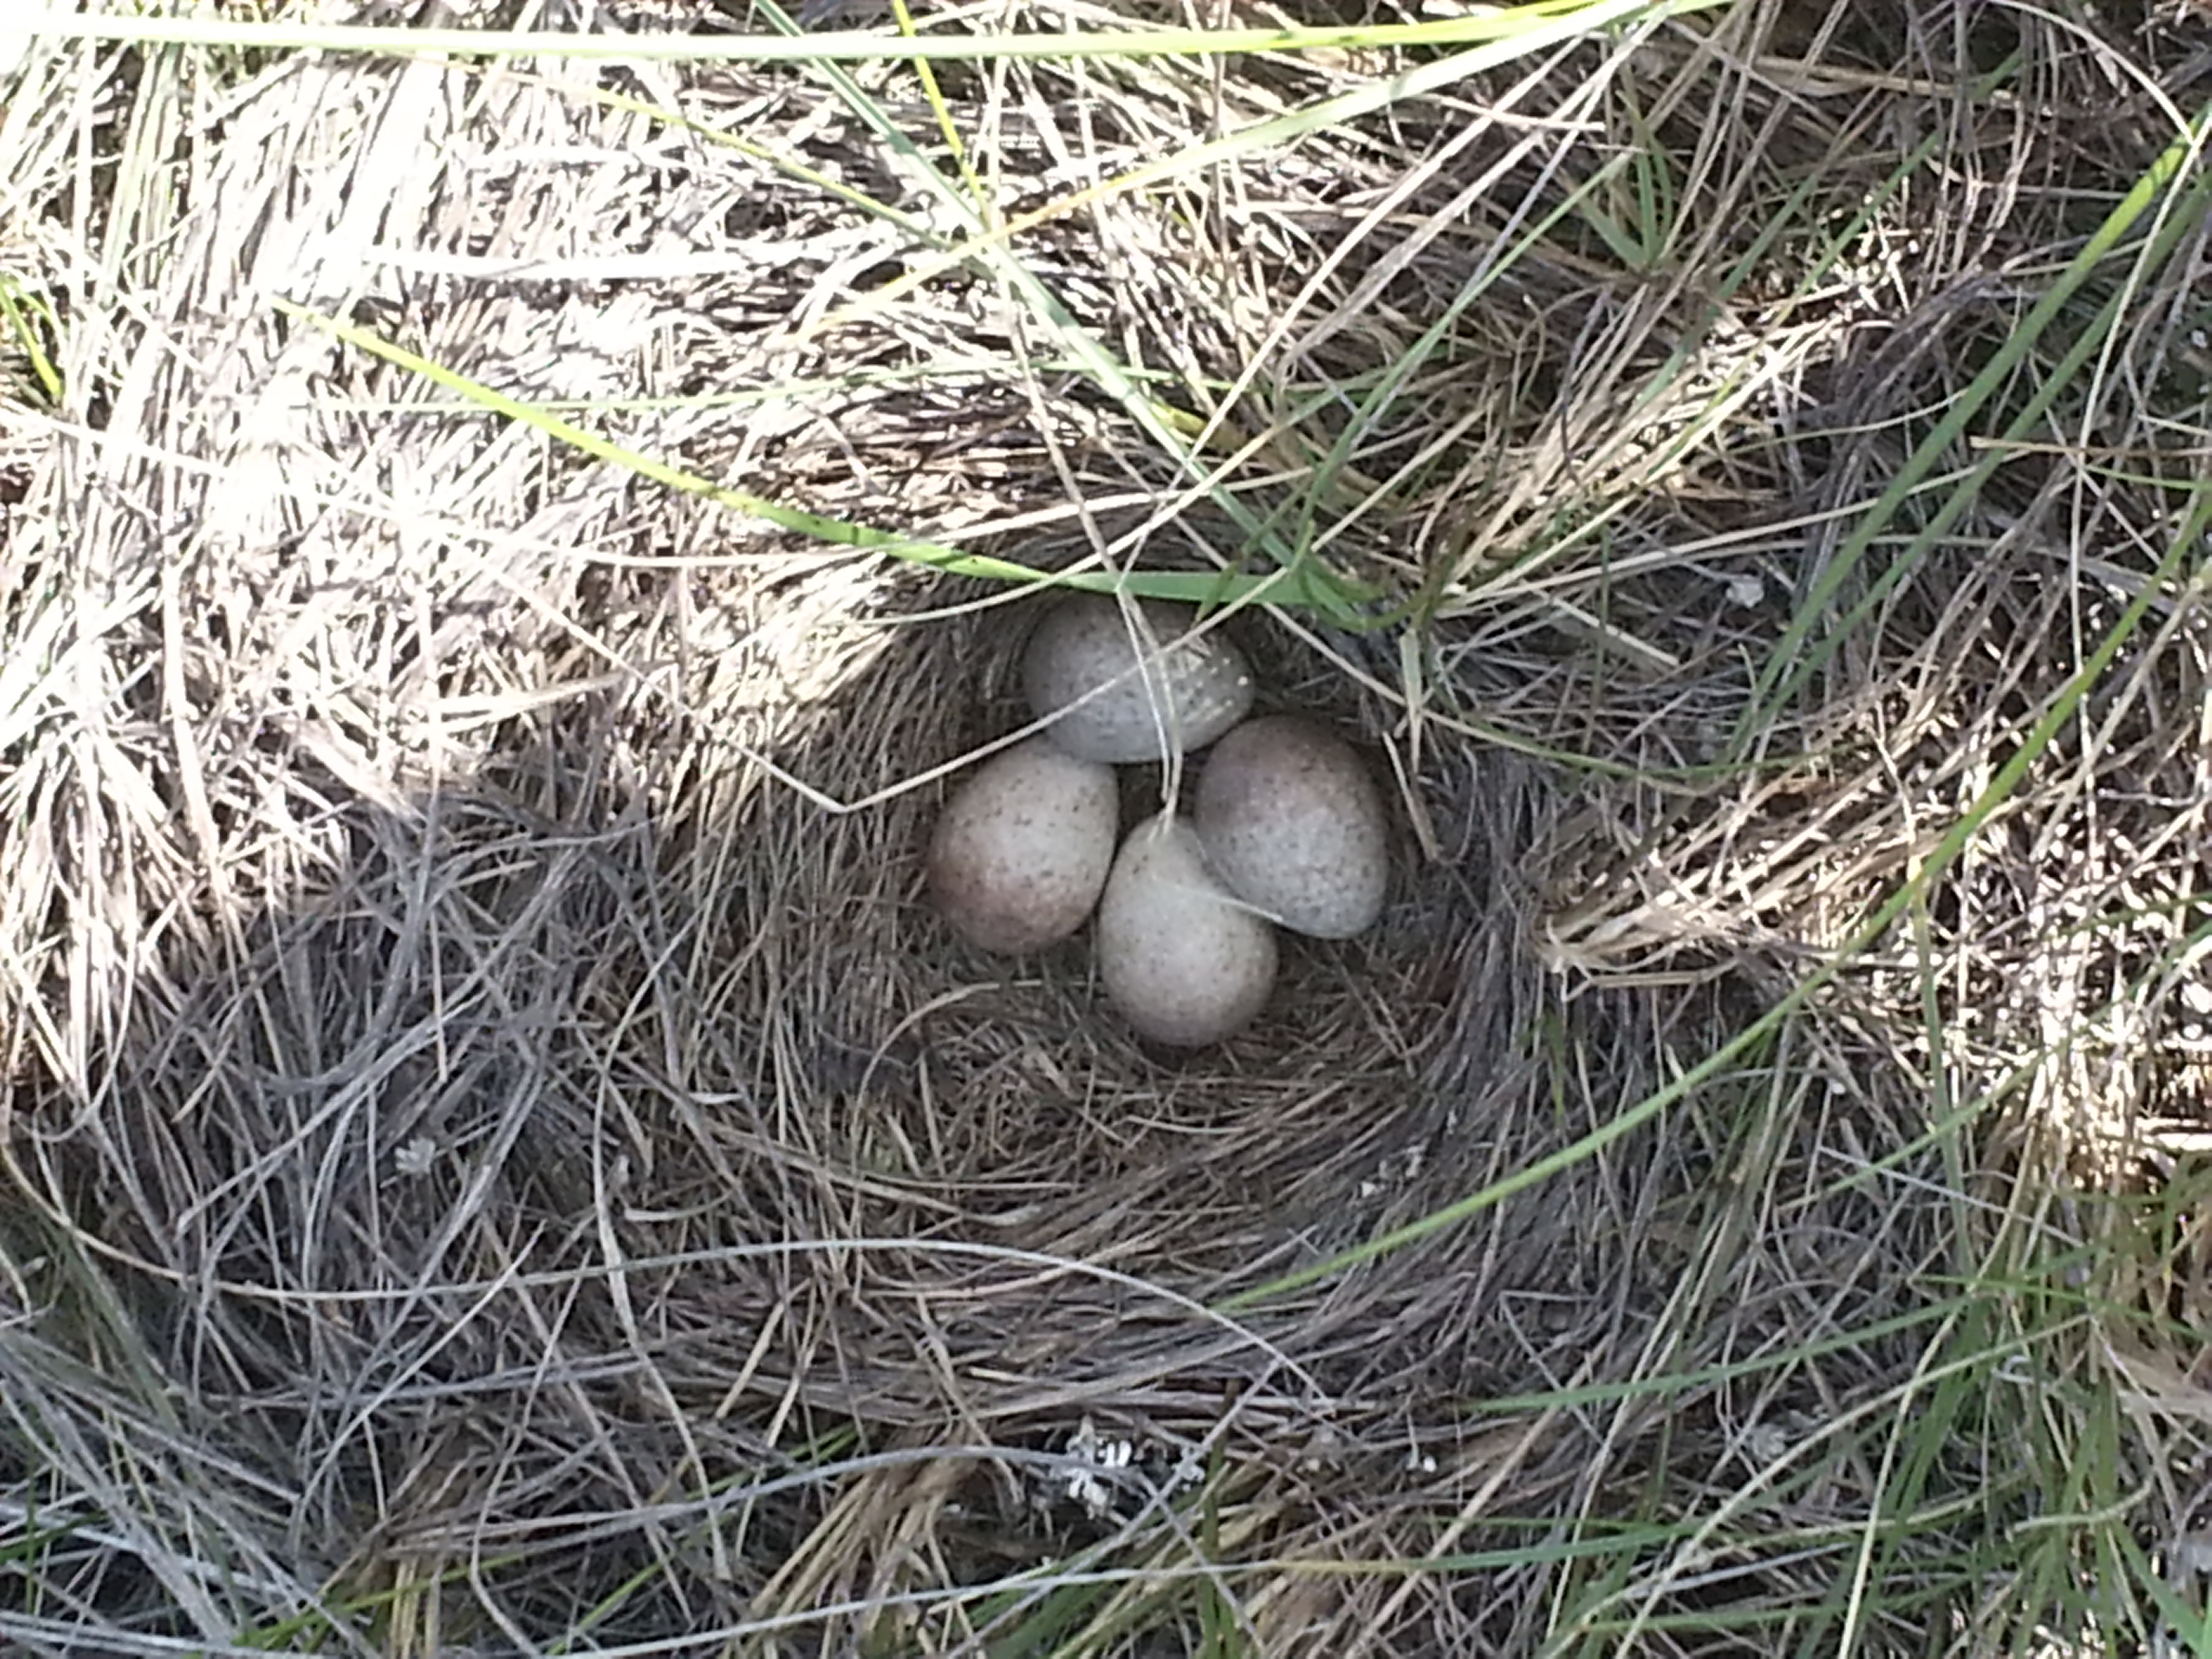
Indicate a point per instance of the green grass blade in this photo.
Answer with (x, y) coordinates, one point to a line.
(1189, 587)
(1797, 656)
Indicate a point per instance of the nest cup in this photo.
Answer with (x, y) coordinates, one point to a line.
(904, 1089)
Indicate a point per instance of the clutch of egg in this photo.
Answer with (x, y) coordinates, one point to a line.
(1122, 688)
(1292, 822)
(1023, 846)
(1288, 827)
(1185, 963)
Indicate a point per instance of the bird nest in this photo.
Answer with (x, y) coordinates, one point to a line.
(1053, 1200)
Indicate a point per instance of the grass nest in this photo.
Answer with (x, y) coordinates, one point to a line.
(502, 1157)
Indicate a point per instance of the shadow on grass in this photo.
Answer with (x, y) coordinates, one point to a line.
(590, 1193)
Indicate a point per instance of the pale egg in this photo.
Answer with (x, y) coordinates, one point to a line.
(1185, 963)
(1023, 848)
(1162, 694)
(1293, 825)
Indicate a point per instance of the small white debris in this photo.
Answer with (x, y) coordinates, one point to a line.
(1189, 1471)
(1082, 1486)
(1157, 1470)
(417, 1158)
(1746, 591)
(1769, 1442)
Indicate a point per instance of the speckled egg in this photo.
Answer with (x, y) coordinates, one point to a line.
(1023, 848)
(1181, 696)
(1293, 825)
(1185, 963)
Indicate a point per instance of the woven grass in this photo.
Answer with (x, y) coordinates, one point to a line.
(503, 1158)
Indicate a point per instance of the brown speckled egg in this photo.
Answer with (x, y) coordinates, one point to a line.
(1184, 961)
(1292, 824)
(1023, 848)
(1181, 696)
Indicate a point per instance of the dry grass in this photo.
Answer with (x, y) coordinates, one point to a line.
(500, 1159)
